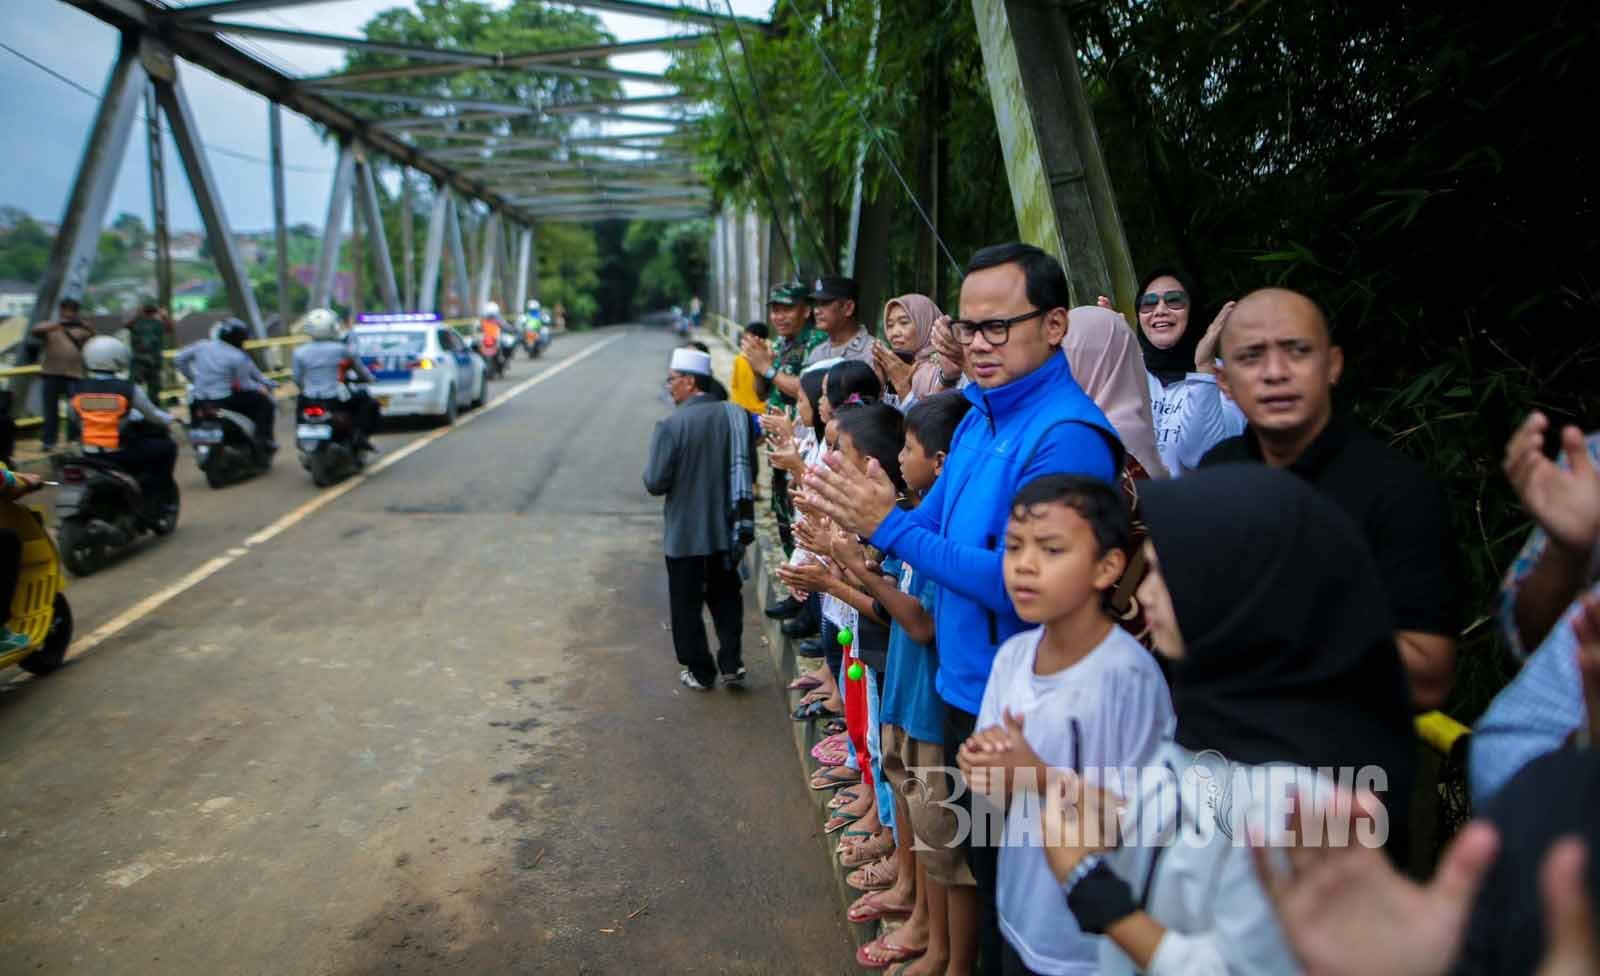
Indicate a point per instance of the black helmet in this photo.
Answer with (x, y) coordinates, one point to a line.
(233, 332)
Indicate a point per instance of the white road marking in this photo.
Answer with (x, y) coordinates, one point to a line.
(149, 604)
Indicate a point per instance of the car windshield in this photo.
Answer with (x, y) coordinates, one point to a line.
(383, 345)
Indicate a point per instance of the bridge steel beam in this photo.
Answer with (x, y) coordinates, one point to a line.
(333, 228)
(372, 218)
(72, 253)
(208, 198)
(433, 252)
(1060, 186)
(458, 259)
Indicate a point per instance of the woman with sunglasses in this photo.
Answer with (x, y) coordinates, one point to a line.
(1191, 414)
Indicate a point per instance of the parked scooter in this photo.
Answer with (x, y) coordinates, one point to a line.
(329, 443)
(225, 444)
(101, 510)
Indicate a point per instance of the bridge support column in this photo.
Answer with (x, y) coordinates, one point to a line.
(333, 229)
(372, 219)
(1059, 183)
(433, 252)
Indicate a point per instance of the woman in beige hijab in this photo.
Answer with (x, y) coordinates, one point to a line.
(1104, 356)
(910, 363)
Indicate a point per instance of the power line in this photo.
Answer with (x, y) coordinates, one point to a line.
(219, 150)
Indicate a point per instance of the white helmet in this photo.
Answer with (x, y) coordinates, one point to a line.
(320, 324)
(106, 354)
(491, 310)
(534, 304)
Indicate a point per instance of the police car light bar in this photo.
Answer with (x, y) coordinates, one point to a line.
(391, 318)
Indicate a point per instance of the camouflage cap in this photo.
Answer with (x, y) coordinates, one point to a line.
(789, 293)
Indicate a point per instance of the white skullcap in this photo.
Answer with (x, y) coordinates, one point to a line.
(688, 360)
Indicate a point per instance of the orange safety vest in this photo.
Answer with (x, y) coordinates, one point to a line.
(491, 335)
(101, 405)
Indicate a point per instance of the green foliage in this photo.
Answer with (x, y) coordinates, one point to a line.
(672, 261)
(24, 247)
(569, 263)
(1407, 165)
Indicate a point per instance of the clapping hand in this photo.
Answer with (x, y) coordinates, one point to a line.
(1564, 501)
(896, 372)
(810, 577)
(1001, 749)
(855, 499)
(952, 357)
(757, 352)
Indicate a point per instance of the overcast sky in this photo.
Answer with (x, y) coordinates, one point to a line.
(47, 120)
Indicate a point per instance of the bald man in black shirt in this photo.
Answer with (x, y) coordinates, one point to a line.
(1280, 366)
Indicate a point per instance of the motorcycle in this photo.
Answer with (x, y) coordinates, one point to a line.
(326, 436)
(508, 347)
(535, 338)
(101, 511)
(493, 365)
(225, 444)
(40, 608)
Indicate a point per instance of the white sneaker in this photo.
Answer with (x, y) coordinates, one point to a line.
(690, 681)
(735, 678)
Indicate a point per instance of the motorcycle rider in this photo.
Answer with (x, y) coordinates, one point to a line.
(108, 407)
(491, 328)
(223, 373)
(12, 487)
(319, 368)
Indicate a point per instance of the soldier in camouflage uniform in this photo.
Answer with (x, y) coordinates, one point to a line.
(777, 368)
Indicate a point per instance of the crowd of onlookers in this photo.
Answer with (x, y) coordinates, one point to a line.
(1120, 628)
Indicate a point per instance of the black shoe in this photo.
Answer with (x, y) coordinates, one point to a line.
(809, 648)
(799, 627)
(784, 609)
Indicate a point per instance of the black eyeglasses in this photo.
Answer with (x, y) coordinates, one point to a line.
(995, 331)
(1175, 300)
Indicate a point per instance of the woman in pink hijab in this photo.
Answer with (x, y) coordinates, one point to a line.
(1105, 359)
(910, 364)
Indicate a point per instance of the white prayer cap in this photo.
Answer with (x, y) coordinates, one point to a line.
(686, 360)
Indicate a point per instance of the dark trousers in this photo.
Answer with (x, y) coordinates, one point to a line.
(52, 390)
(148, 375)
(712, 581)
(831, 651)
(983, 859)
(1011, 963)
(368, 415)
(10, 569)
(259, 407)
(150, 460)
(782, 511)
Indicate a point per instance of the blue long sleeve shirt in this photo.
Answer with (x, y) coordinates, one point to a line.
(1040, 424)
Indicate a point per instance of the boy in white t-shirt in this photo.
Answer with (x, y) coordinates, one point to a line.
(1077, 693)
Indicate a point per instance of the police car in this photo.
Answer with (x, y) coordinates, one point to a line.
(423, 368)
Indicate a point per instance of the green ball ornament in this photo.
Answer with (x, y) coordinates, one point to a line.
(845, 637)
(855, 671)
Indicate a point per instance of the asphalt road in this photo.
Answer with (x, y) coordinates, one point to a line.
(428, 723)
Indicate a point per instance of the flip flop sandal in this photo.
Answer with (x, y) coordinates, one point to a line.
(892, 954)
(840, 820)
(865, 853)
(806, 711)
(805, 683)
(829, 744)
(833, 727)
(834, 758)
(846, 840)
(844, 798)
(873, 910)
(827, 781)
(880, 875)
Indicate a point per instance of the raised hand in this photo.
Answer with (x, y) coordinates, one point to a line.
(1565, 502)
(1345, 910)
(758, 352)
(857, 500)
(952, 357)
(1205, 354)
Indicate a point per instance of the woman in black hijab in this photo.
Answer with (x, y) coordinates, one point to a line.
(1264, 598)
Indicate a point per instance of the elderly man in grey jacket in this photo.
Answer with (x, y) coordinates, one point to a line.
(691, 455)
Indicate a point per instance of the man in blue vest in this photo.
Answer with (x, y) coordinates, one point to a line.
(1030, 419)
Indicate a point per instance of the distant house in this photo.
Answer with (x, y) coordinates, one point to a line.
(185, 246)
(194, 296)
(16, 298)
